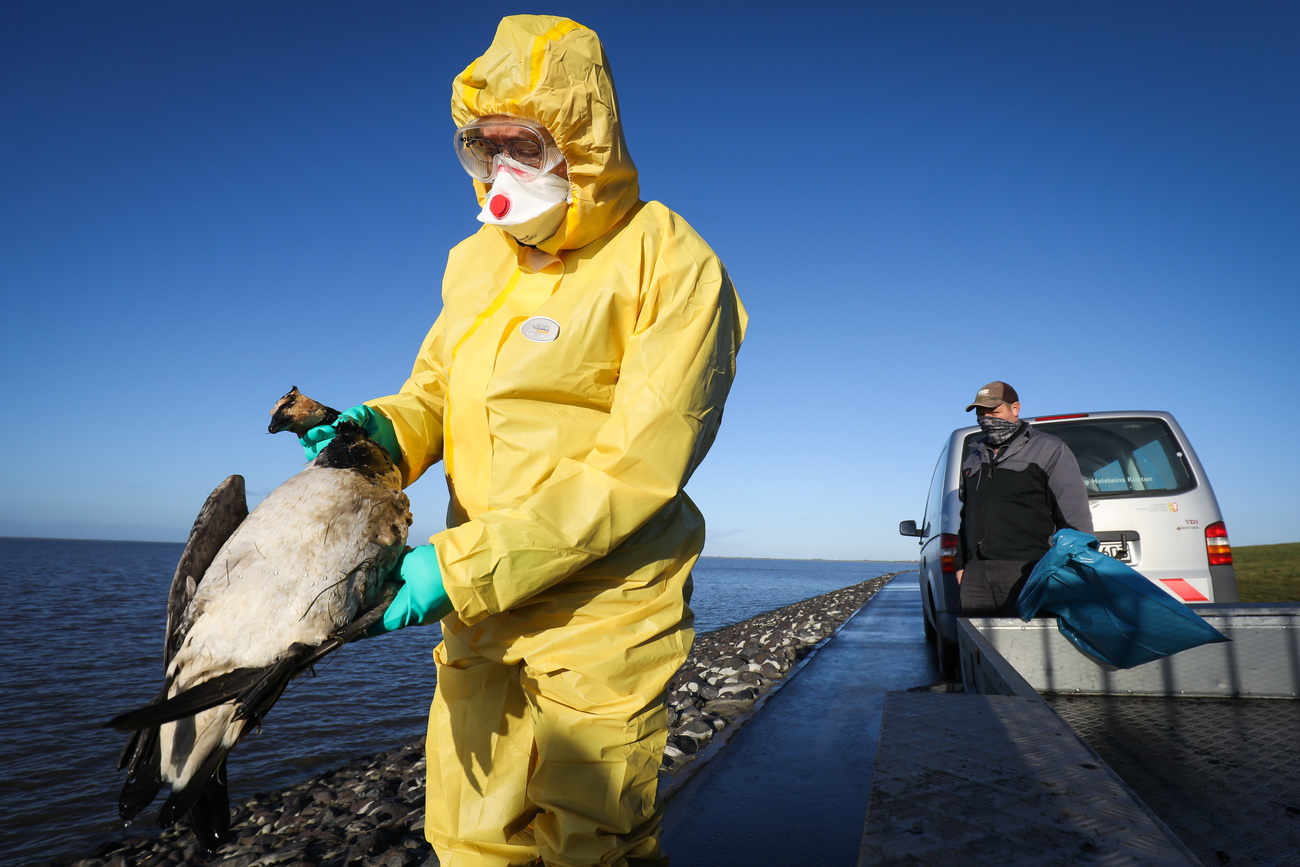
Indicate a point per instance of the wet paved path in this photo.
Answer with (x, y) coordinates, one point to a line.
(791, 787)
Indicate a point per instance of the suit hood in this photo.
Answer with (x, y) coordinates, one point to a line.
(554, 71)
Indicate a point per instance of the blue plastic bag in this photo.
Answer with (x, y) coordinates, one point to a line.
(1106, 608)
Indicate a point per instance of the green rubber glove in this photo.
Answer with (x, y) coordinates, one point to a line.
(422, 599)
(377, 426)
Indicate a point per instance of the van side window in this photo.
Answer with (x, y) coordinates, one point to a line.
(934, 500)
(1121, 457)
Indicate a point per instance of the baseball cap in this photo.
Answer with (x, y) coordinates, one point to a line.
(994, 395)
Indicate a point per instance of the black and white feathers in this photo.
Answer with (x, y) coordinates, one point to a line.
(256, 599)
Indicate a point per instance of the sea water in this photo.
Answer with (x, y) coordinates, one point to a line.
(84, 642)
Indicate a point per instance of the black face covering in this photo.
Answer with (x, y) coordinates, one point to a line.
(998, 430)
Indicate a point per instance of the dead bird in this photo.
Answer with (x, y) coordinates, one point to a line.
(256, 599)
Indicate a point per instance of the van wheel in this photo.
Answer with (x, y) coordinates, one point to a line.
(928, 608)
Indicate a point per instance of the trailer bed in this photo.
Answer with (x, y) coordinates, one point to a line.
(1222, 774)
(1191, 735)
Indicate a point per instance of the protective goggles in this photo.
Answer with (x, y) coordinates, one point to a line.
(480, 144)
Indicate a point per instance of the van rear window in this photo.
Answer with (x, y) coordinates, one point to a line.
(1125, 457)
(1120, 457)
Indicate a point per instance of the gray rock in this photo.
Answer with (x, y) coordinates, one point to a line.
(282, 856)
(738, 692)
(698, 727)
(242, 859)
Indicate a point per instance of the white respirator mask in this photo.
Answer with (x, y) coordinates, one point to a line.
(530, 208)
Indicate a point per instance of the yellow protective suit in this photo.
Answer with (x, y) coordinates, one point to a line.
(566, 442)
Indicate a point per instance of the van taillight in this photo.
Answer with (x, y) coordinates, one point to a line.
(947, 553)
(1216, 544)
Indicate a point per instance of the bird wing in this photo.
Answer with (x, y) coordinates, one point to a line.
(225, 509)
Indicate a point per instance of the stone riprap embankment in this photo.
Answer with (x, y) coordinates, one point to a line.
(371, 813)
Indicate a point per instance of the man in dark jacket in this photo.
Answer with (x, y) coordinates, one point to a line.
(1018, 487)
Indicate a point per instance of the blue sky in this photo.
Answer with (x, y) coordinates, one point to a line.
(205, 203)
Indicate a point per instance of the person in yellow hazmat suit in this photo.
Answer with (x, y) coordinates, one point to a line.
(573, 381)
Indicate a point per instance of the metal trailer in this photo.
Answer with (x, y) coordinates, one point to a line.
(1208, 740)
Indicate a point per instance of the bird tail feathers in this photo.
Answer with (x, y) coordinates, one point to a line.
(210, 815)
(202, 793)
(143, 759)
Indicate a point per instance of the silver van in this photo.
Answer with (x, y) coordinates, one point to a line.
(1152, 507)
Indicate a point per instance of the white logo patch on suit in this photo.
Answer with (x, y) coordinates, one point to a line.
(540, 329)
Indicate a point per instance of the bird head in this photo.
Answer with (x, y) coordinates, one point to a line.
(298, 413)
